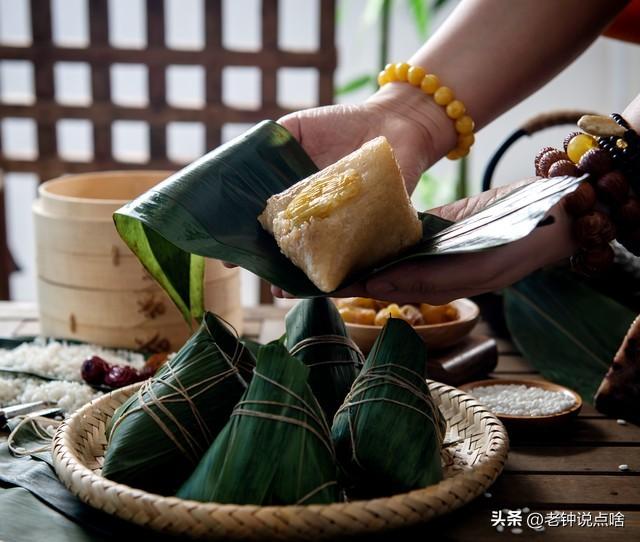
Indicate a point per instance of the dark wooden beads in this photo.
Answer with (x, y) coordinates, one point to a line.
(594, 229)
(581, 200)
(613, 188)
(628, 213)
(563, 167)
(549, 158)
(596, 162)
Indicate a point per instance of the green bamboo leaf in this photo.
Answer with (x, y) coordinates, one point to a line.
(355, 84)
(420, 11)
(276, 448)
(157, 437)
(389, 413)
(565, 329)
(317, 336)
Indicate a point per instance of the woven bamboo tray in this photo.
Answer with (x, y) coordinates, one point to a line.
(475, 456)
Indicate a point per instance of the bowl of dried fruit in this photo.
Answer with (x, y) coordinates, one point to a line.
(438, 325)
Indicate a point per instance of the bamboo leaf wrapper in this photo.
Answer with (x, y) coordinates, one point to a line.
(276, 449)
(316, 335)
(567, 330)
(388, 433)
(157, 437)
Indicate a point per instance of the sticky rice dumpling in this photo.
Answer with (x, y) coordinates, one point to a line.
(347, 217)
(156, 438)
(316, 335)
(276, 448)
(388, 433)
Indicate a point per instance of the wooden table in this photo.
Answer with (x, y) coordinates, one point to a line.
(569, 477)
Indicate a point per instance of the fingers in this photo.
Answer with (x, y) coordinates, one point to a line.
(292, 123)
(441, 279)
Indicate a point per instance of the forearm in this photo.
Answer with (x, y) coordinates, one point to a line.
(494, 53)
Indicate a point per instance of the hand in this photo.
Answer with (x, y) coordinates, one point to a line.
(438, 280)
(330, 133)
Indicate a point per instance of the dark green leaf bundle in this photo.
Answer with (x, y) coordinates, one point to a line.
(388, 433)
(565, 329)
(316, 335)
(276, 449)
(157, 437)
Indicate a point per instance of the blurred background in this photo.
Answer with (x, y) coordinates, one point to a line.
(604, 79)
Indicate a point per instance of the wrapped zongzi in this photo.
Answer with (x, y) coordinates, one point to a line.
(316, 335)
(388, 433)
(156, 438)
(276, 449)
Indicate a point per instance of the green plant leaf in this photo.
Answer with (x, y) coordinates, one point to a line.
(565, 329)
(355, 84)
(420, 12)
(372, 11)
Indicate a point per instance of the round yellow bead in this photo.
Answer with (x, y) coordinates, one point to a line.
(430, 83)
(390, 72)
(415, 75)
(382, 78)
(465, 125)
(465, 141)
(579, 145)
(456, 109)
(443, 96)
(454, 154)
(401, 71)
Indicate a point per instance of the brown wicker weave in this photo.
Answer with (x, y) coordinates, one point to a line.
(473, 460)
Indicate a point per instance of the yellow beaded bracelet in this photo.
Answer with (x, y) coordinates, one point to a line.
(430, 85)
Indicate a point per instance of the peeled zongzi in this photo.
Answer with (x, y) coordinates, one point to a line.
(156, 438)
(316, 335)
(347, 217)
(388, 433)
(276, 449)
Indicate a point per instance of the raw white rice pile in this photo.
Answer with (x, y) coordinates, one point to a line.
(55, 359)
(521, 400)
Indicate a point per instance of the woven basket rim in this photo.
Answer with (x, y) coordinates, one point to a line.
(71, 469)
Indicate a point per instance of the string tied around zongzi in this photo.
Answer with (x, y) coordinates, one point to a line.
(339, 340)
(381, 375)
(323, 433)
(151, 402)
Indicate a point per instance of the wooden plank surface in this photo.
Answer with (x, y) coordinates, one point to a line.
(573, 469)
(578, 460)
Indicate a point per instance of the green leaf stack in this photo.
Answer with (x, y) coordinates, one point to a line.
(316, 335)
(388, 433)
(566, 329)
(276, 449)
(157, 437)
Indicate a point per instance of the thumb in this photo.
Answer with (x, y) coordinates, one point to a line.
(292, 123)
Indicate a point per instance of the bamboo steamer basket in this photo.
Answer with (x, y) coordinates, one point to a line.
(91, 287)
